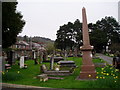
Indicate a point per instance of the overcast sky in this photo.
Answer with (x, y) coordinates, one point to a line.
(44, 17)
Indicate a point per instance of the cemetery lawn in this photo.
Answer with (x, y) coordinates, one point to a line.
(107, 77)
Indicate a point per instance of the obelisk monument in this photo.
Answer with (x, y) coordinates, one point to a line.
(87, 69)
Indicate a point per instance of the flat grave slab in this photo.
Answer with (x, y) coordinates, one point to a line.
(67, 63)
(56, 59)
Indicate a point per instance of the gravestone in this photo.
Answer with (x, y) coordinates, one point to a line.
(66, 63)
(65, 55)
(116, 62)
(37, 57)
(51, 62)
(70, 53)
(22, 62)
(34, 55)
(3, 62)
(87, 69)
(43, 77)
(41, 56)
(11, 57)
(16, 56)
(44, 56)
(75, 52)
(36, 61)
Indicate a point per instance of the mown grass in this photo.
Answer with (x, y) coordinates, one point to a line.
(26, 76)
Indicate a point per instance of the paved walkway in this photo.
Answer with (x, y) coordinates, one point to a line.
(105, 58)
(18, 86)
(27, 87)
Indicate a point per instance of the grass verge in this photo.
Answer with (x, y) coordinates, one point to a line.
(107, 77)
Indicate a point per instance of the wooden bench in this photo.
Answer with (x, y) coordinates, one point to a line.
(59, 73)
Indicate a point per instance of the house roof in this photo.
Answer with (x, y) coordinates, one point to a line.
(22, 43)
(36, 44)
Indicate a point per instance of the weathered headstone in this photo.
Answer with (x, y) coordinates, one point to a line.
(36, 61)
(43, 77)
(41, 56)
(44, 56)
(65, 55)
(70, 53)
(34, 55)
(37, 57)
(75, 52)
(3, 62)
(88, 68)
(11, 57)
(52, 62)
(16, 56)
(22, 62)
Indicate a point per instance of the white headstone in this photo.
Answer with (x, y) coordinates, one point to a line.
(34, 55)
(22, 62)
(52, 62)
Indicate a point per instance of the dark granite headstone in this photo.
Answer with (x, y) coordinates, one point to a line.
(11, 57)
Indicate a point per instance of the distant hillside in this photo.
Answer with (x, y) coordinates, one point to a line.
(35, 39)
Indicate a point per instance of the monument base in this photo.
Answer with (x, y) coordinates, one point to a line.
(87, 72)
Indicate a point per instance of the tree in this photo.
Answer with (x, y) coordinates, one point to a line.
(77, 33)
(110, 27)
(104, 32)
(69, 35)
(115, 47)
(12, 23)
(26, 38)
(98, 39)
(50, 47)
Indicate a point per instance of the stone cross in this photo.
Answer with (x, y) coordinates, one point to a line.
(88, 68)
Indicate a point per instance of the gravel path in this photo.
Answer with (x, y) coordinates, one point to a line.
(105, 58)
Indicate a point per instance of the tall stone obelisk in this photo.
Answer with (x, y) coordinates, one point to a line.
(87, 68)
